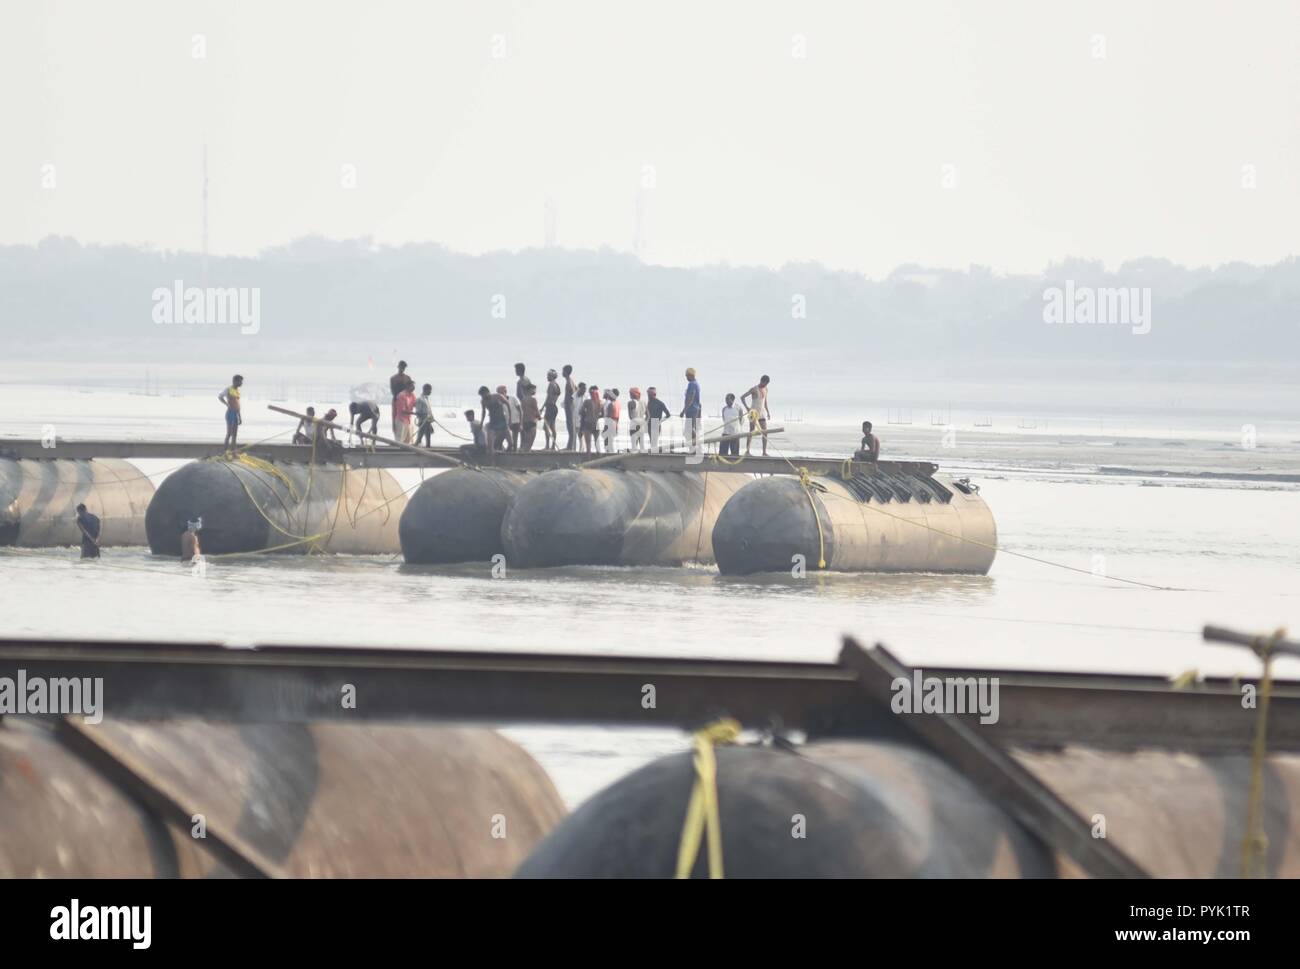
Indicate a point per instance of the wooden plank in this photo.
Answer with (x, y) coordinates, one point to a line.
(410, 448)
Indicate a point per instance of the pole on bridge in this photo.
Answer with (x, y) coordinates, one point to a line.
(423, 452)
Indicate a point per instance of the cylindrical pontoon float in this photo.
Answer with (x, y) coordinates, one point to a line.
(250, 505)
(456, 515)
(888, 809)
(610, 517)
(38, 501)
(880, 520)
(293, 800)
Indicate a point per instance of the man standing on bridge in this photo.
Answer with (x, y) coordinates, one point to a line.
(656, 413)
(571, 400)
(755, 401)
(692, 411)
(230, 397)
(397, 383)
(424, 418)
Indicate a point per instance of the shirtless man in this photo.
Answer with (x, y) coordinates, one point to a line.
(870, 450)
(551, 409)
(190, 548)
(572, 397)
(755, 401)
(327, 445)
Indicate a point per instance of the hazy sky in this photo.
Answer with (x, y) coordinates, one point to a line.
(461, 119)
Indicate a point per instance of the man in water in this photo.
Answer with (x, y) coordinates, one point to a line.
(88, 525)
(230, 397)
(570, 408)
(551, 409)
(755, 400)
(190, 549)
(870, 450)
(424, 417)
(397, 383)
(656, 413)
(692, 410)
(363, 411)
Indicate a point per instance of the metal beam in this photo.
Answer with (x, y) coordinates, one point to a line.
(298, 684)
(134, 776)
(989, 767)
(410, 456)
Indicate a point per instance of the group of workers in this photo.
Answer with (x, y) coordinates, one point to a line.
(507, 421)
(593, 418)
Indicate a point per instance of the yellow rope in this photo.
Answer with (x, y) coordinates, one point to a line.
(261, 464)
(262, 551)
(353, 516)
(1254, 845)
(702, 812)
(297, 539)
(806, 482)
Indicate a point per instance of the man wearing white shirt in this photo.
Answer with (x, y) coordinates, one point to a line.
(730, 427)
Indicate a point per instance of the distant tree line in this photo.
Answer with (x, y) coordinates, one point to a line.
(61, 290)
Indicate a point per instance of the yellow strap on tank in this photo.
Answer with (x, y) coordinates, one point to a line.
(1254, 845)
(310, 540)
(267, 467)
(808, 484)
(702, 811)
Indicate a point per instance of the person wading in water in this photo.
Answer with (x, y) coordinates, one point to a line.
(190, 549)
(88, 525)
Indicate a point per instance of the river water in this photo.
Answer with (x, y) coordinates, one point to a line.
(1226, 552)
